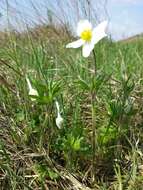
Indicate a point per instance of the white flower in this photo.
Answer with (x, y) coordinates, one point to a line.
(59, 119)
(32, 91)
(88, 36)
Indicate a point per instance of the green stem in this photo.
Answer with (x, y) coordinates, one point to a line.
(93, 99)
(94, 55)
(93, 137)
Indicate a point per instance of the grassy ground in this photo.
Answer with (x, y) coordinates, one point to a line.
(34, 153)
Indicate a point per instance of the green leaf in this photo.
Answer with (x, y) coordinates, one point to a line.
(77, 144)
(83, 84)
(20, 116)
(53, 175)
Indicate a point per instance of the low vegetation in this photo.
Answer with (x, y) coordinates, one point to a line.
(34, 152)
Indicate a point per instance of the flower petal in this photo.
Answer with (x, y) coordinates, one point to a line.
(75, 44)
(83, 25)
(33, 92)
(59, 121)
(87, 48)
(99, 32)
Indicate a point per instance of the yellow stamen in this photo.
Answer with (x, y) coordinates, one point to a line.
(86, 35)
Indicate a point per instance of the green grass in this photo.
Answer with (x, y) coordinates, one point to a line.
(34, 153)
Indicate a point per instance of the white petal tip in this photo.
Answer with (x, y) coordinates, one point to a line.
(87, 49)
(59, 122)
(105, 24)
(75, 44)
(85, 56)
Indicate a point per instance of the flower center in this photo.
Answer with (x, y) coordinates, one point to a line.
(86, 35)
